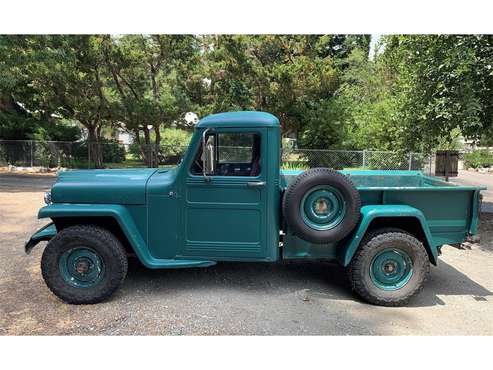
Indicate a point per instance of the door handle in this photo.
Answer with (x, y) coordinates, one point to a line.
(256, 184)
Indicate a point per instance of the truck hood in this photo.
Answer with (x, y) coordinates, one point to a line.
(126, 186)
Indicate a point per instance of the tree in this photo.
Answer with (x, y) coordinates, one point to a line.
(443, 82)
(418, 92)
(63, 78)
(293, 77)
(148, 79)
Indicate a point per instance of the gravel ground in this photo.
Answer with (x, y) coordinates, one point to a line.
(232, 298)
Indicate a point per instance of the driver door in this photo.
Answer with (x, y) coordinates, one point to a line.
(225, 211)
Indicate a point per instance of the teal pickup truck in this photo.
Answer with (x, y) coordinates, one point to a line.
(228, 200)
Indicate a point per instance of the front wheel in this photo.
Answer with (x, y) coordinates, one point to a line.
(84, 264)
(389, 268)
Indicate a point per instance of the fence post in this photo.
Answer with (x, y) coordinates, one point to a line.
(32, 161)
(410, 161)
(364, 158)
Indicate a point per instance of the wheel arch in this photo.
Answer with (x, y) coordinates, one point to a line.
(403, 217)
(107, 222)
(113, 217)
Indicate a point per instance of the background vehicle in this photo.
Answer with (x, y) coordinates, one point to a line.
(229, 201)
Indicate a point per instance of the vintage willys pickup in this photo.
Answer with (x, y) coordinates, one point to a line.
(228, 200)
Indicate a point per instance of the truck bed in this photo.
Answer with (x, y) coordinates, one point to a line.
(450, 210)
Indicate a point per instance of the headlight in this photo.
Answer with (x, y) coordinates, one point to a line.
(48, 197)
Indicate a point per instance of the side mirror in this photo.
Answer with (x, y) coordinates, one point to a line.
(208, 154)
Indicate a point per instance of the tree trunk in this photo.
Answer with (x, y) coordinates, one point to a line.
(94, 146)
(147, 147)
(7, 103)
(157, 145)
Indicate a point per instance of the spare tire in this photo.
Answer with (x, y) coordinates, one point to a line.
(321, 206)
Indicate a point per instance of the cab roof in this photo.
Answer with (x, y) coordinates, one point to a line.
(239, 119)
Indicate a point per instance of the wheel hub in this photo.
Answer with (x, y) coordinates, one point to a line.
(81, 267)
(391, 269)
(323, 208)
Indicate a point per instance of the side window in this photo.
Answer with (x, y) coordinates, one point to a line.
(231, 154)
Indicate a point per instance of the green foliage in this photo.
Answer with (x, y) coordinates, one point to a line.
(420, 93)
(16, 127)
(293, 77)
(111, 151)
(295, 165)
(57, 131)
(172, 137)
(478, 159)
(442, 82)
(174, 143)
(451, 141)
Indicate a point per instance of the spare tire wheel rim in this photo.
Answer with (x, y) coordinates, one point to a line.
(391, 269)
(323, 208)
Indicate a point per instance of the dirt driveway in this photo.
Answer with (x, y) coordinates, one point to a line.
(233, 298)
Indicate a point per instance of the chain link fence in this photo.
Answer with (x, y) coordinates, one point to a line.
(84, 155)
(356, 159)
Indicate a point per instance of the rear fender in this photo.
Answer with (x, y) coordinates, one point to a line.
(370, 213)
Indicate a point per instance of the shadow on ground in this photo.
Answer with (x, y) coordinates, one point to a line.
(318, 280)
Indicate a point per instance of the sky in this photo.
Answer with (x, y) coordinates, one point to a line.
(373, 44)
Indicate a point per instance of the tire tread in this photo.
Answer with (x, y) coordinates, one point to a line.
(357, 265)
(84, 296)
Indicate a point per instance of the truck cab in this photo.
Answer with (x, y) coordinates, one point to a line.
(229, 200)
(225, 199)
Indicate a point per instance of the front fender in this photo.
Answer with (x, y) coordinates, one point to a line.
(116, 211)
(45, 233)
(369, 213)
(123, 217)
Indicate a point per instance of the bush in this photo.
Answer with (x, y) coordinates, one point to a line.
(174, 143)
(337, 160)
(113, 152)
(387, 160)
(478, 159)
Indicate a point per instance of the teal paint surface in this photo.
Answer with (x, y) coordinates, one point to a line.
(45, 233)
(173, 218)
(102, 186)
(370, 213)
(223, 218)
(447, 212)
(127, 224)
(81, 267)
(323, 208)
(248, 119)
(391, 269)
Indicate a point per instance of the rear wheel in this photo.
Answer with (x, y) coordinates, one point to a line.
(84, 264)
(389, 268)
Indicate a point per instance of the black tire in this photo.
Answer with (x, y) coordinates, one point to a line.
(377, 241)
(304, 183)
(104, 244)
